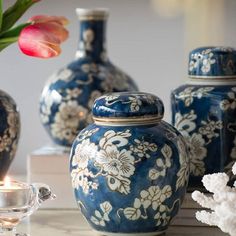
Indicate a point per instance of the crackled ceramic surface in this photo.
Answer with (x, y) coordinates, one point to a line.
(204, 111)
(68, 96)
(129, 177)
(9, 131)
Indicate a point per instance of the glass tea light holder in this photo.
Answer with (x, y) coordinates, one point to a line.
(19, 200)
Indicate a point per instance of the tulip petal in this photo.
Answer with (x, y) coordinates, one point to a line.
(55, 29)
(36, 42)
(43, 37)
(45, 18)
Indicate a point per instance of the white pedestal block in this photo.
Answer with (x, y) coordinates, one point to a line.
(50, 165)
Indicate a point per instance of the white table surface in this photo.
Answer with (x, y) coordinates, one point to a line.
(70, 222)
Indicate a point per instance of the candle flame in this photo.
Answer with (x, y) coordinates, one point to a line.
(7, 181)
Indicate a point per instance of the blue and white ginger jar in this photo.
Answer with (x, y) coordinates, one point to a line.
(68, 96)
(130, 168)
(204, 111)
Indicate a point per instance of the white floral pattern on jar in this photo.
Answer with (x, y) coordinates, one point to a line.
(197, 154)
(141, 148)
(188, 94)
(229, 103)
(198, 138)
(66, 120)
(88, 37)
(207, 62)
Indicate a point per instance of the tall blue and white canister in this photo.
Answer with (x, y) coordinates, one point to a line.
(204, 111)
(129, 169)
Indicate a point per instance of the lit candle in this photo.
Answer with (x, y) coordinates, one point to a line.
(13, 194)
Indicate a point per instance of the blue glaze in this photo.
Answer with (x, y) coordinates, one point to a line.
(129, 178)
(126, 105)
(205, 114)
(212, 61)
(9, 131)
(96, 30)
(68, 96)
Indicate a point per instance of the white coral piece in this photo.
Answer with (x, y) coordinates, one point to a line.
(222, 202)
(234, 169)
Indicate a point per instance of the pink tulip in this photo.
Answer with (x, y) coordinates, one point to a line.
(44, 18)
(43, 37)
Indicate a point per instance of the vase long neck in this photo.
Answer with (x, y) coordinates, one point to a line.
(92, 40)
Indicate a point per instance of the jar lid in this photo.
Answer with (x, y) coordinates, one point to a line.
(92, 14)
(128, 107)
(212, 62)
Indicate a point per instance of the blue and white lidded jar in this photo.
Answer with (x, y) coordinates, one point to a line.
(204, 111)
(67, 98)
(129, 168)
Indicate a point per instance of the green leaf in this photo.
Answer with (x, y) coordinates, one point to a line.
(11, 36)
(13, 32)
(5, 42)
(0, 14)
(9, 40)
(13, 13)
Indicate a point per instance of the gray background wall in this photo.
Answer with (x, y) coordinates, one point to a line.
(149, 39)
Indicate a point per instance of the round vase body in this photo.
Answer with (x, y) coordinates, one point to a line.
(68, 96)
(129, 169)
(9, 131)
(204, 111)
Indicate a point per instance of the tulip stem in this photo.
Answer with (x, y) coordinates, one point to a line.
(5, 42)
(8, 40)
